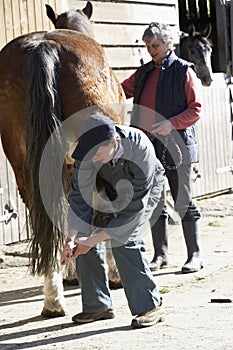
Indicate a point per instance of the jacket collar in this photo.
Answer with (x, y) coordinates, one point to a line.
(166, 62)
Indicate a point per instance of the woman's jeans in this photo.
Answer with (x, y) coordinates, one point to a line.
(136, 277)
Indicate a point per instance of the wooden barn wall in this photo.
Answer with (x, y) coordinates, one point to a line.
(13, 217)
(215, 142)
(119, 25)
(22, 16)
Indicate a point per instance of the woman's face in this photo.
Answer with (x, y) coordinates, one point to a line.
(105, 153)
(157, 49)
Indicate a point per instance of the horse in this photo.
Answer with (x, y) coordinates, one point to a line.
(46, 77)
(195, 47)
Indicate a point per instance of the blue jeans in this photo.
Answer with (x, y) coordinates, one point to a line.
(137, 279)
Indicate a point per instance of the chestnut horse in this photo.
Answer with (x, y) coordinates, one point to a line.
(45, 78)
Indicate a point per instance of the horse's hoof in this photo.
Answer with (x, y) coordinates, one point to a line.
(51, 314)
(115, 285)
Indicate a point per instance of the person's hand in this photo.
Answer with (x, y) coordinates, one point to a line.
(82, 246)
(163, 128)
(68, 252)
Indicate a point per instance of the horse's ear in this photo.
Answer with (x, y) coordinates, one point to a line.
(207, 30)
(192, 30)
(183, 35)
(88, 9)
(51, 14)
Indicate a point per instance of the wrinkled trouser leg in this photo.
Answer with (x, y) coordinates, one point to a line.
(159, 235)
(137, 279)
(180, 186)
(92, 274)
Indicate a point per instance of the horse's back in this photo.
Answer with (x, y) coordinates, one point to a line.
(85, 76)
(85, 79)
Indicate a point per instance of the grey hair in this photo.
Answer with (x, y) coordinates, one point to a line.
(159, 31)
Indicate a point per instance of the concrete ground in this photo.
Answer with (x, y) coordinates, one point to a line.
(199, 306)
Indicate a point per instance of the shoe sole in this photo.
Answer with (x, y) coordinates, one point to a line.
(135, 323)
(191, 271)
(144, 325)
(103, 317)
(157, 269)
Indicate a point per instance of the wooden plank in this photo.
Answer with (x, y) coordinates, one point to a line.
(3, 37)
(154, 2)
(22, 219)
(16, 229)
(142, 12)
(23, 16)
(130, 13)
(121, 57)
(81, 3)
(12, 192)
(214, 129)
(110, 34)
(31, 16)
(6, 233)
(38, 16)
(8, 20)
(16, 18)
(2, 194)
(125, 34)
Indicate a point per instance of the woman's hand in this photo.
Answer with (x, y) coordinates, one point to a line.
(163, 128)
(68, 252)
(81, 245)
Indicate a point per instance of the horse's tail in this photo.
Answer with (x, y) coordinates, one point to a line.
(43, 121)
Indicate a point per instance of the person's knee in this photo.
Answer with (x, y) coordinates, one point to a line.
(191, 215)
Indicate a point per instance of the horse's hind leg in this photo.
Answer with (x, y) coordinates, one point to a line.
(54, 302)
(113, 274)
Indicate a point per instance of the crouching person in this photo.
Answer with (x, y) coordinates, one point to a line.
(133, 178)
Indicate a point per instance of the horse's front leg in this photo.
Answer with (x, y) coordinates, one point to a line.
(54, 300)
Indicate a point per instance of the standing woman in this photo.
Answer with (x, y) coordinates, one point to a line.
(166, 107)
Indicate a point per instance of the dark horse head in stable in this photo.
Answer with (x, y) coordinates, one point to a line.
(195, 47)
